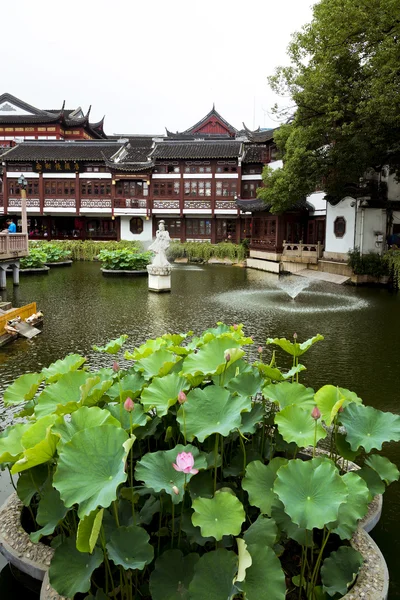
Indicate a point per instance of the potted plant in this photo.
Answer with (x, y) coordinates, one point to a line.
(56, 255)
(124, 262)
(179, 476)
(34, 262)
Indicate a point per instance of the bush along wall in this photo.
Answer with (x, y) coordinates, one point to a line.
(371, 264)
(87, 249)
(392, 258)
(203, 251)
(179, 476)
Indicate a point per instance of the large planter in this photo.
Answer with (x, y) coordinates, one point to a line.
(62, 263)
(125, 273)
(35, 271)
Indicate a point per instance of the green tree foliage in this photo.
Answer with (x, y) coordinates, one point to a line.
(344, 83)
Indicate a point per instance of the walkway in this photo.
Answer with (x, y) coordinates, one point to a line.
(322, 276)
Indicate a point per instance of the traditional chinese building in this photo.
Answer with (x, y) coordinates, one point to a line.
(82, 184)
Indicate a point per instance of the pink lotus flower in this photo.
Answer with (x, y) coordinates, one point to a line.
(316, 413)
(115, 366)
(129, 405)
(235, 327)
(182, 398)
(259, 349)
(184, 463)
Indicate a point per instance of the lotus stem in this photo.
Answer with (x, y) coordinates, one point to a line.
(216, 460)
(318, 563)
(315, 437)
(159, 527)
(303, 566)
(184, 423)
(11, 479)
(244, 452)
(115, 508)
(107, 563)
(173, 525)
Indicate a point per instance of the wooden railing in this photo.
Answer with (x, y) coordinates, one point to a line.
(13, 245)
(130, 203)
(263, 244)
(302, 250)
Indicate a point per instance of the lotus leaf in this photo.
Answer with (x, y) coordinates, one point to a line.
(129, 386)
(91, 467)
(157, 364)
(259, 483)
(251, 419)
(10, 442)
(285, 393)
(202, 485)
(62, 397)
(210, 359)
(244, 559)
(296, 424)
(245, 384)
(329, 400)
(83, 418)
(236, 464)
(130, 548)
(275, 374)
(295, 349)
(284, 522)
(23, 389)
(372, 479)
(94, 389)
(113, 347)
(232, 371)
(354, 509)
(89, 530)
(135, 418)
(68, 582)
(157, 472)
(311, 491)
(340, 569)
(193, 533)
(211, 410)
(344, 448)
(265, 579)
(51, 511)
(369, 427)
(213, 576)
(162, 393)
(39, 444)
(70, 363)
(172, 575)
(386, 470)
(218, 516)
(149, 509)
(29, 482)
(263, 532)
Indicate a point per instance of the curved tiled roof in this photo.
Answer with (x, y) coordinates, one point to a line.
(196, 150)
(88, 151)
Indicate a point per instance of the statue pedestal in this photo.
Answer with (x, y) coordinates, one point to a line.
(159, 278)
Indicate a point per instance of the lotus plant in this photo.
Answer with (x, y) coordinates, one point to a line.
(182, 472)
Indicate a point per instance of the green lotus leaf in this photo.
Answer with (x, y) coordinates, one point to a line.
(340, 569)
(372, 479)
(265, 579)
(136, 418)
(10, 442)
(202, 486)
(113, 347)
(162, 393)
(51, 511)
(296, 424)
(29, 482)
(76, 578)
(295, 349)
(245, 384)
(83, 418)
(218, 516)
(386, 470)
(39, 444)
(233, 370)
(194, 533)
(91, 467)
(236, 465)
(275, 374)
(149, 429)
(211, 410)
(129, 386)
(23, 389)
(157, 364)
(70, 363)
(172, 575)
(259, 483)
(89, 531)
(156, 471)
(369, 427)
(354, 509)
(311, 491)
(63, 396)
(213, 576)
(130, 548)
(146, 349)
(329, 400)
(344, 448)
(263, 532)
(285, 393)
(251, 419)
(150, 508)
(285, 523)
(211, 359)
(93, 390)
(244, 559)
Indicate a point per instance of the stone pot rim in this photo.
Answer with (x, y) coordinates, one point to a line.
(122, 272)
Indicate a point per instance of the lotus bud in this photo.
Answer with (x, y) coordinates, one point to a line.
(341, 409)
(259, 349)
(316, 413)
(235, 326)
(295, 336)
(129, 405)
(115, 366)
(227, 356)
(182, 398)
(175, 490)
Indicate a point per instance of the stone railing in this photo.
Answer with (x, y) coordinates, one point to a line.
(302, 251)
(13, 245)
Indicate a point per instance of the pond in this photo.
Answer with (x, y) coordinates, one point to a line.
(360, 326)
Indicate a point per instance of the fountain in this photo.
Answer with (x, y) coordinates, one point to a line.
(293, 286)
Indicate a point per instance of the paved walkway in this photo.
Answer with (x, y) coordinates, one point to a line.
(322, 276)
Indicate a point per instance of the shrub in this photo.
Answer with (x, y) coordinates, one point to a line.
(392, 259)
(124, 259)
(178, 474)
(54, 252)
(203, 251)
(88, 249)
(367, 264)
(36, 259)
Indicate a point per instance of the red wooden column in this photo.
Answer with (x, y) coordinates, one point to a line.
(149, 199)
(41, 193)
(213, 201)
(77, 194)
(183, 229)
(5, 191)
(181, 192)
(238, 194)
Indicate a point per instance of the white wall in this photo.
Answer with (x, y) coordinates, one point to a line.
(145, 237)
(342, 209)
(373, 222)
(317, 200)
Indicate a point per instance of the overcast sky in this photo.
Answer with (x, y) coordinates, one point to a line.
(149, 65)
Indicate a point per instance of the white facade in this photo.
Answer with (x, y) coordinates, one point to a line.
(145, 237)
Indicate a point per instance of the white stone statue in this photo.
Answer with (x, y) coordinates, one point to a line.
(159, 246)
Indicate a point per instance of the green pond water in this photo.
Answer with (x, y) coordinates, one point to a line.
(360, 352)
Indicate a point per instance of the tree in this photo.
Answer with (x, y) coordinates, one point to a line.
(344, 83)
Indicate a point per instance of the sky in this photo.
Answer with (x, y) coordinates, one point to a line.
(149, 65)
